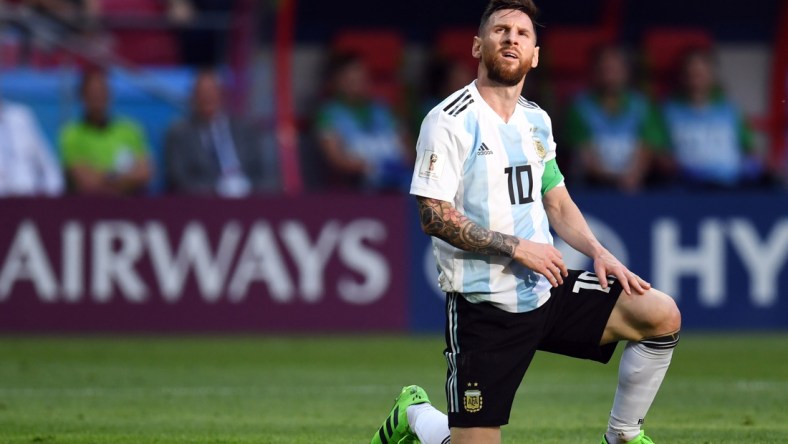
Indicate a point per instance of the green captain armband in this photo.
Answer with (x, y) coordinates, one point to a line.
(552, 176)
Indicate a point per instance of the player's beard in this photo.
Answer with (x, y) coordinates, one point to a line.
(501, 72)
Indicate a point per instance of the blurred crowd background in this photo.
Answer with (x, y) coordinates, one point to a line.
(242, 97)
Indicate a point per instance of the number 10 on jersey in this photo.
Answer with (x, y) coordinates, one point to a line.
(520, 188)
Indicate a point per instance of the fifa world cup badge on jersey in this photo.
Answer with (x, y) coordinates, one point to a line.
(431, 165)
(473, 399)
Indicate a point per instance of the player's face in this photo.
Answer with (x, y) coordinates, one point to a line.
(507, 47)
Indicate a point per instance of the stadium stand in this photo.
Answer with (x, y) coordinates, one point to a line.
(455, 44)
(52, 95)
(140, 32)
(663, 49)
(382, 51)
(568, 54)
(778, 108)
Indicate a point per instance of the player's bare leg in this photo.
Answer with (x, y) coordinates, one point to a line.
(651, 322)
(476, 435)
(636, 317)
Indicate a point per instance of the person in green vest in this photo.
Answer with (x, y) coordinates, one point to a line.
(102, 153)
(705, 133)
(611, 126)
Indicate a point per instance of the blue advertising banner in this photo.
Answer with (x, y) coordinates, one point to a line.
(723, 257)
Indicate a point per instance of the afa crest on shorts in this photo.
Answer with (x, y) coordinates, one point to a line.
(472, 401)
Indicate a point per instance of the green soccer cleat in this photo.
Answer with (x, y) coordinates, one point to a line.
(641, 439)
(395, 429)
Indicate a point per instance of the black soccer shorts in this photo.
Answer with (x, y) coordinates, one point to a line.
(488, 349)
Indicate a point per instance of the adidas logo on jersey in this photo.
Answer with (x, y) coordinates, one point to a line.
(484, 150)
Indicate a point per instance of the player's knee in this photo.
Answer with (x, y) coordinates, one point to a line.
(665, 318)
(657, 316)
(663, 333)
(672, 316)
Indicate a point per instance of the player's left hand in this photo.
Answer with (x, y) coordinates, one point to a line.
(607, 265)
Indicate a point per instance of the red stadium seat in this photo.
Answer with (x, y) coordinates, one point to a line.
(567, 55)
(9, 52)
(663, 49)
(778, 109)
(568, 51)
(143, 46)
(153, 8)
(456, 44)
(382, 52)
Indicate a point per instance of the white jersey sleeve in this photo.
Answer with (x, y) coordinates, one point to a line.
(440, 154)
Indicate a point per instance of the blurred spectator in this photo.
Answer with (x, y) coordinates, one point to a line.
(210, 152)
(202, 40)
(27, 164)
(360, 139)
(710, 142)
(104, 154)
(609, 125)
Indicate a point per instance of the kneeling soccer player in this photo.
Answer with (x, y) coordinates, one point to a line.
(489, 189)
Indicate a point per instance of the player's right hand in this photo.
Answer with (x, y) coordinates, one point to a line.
(544, 259)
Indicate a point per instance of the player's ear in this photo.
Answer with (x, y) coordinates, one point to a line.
(535, 59)
(476, 50)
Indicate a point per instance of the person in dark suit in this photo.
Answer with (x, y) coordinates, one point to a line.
(210, 153)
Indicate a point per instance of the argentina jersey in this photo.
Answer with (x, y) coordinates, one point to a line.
(491, 171)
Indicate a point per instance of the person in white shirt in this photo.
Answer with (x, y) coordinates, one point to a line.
(28, 166)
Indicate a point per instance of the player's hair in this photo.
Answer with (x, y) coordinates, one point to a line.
(528, 7)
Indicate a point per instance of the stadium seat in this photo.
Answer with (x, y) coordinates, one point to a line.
(778, 109)
(456, 44)
(569, 50)
(143, 45)
(52, 58)
(568, 56)
(9, 52)
(382, 52)
(663, 49)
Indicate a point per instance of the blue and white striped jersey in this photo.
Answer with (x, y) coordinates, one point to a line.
(491, 171)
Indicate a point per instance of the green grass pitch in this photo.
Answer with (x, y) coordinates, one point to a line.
(338, 389)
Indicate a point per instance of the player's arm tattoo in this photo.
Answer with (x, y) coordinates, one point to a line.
(442, 220)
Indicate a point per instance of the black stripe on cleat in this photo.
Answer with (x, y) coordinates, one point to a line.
(382, 435)
(388, 426)
(396, 416)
